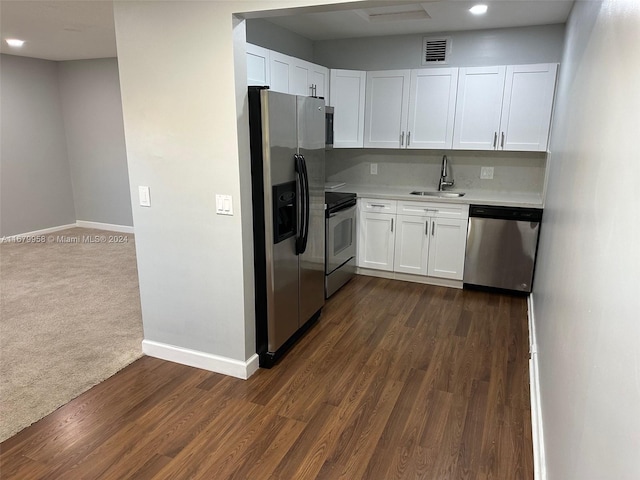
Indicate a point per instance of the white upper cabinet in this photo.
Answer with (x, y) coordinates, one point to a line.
(474, 108)
(432, 108)
(280, 67)
(300, 78)
(319, 78)
(286, 74)
(347, 97)
(257, 65)
(478, 108)
(410, 108)
(527, 106)
(386, 107)
(308, 79)
(504, 108)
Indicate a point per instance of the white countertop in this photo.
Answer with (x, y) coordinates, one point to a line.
(476, 197)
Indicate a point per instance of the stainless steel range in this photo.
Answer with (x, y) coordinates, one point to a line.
(340, 240)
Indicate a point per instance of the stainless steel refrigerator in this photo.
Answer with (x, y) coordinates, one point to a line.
(287, 171)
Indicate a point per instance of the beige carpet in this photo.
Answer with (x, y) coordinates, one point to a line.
(70, 318)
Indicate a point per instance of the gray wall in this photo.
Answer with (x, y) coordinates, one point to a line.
(269, 35)
(183, 140)
(513, 171)
(35, 188)
(92, 111)
(504, 46)
(587, 286)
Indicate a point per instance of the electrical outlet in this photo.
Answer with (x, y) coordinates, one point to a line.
(374, 169)
(486, 173)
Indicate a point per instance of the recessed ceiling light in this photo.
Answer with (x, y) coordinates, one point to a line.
(14, 42)
(478, 9)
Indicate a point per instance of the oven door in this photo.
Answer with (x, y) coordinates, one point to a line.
(341, 238)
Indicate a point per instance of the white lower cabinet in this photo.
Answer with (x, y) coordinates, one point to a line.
(447, 248)
(412, 245)
(376, 235)
(419, 238)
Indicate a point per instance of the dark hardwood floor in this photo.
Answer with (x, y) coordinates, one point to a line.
(397, 380)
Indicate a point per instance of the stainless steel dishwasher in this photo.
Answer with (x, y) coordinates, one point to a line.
(501, 247)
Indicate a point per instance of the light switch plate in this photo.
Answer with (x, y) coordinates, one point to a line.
(224, 205)
(374, 169)
(486, 173)
(145, 196)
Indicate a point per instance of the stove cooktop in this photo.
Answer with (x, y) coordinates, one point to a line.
(338, 200)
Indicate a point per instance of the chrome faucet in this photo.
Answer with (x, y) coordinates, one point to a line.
(443, 175)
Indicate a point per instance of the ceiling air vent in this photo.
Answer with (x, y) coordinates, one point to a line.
(435, 50)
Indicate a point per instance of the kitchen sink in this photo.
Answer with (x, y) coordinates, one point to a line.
(439, 194)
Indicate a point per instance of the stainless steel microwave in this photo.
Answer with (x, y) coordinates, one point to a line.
(328, 128)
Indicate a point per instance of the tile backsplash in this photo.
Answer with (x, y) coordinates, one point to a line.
(513, 171)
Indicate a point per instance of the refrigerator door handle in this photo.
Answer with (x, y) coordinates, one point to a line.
(301, 171)
(306, 208)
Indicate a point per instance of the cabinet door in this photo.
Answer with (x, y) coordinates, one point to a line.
(319, 78)
(376, 240)
(257, 65)
(447, 248)
(300, 78)
(386, 107)
(412, 244)
(280, 67)
(478, 108)
(526, 108)
(432, 106)
(347, 97)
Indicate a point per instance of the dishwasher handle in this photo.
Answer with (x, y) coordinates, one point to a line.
(506, 213)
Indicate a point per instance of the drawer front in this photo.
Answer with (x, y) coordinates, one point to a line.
(434, 209)
(418, 209)
(377, 205)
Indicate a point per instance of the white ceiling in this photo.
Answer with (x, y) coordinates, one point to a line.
(445, 16)
(59, 30)
(74, 30)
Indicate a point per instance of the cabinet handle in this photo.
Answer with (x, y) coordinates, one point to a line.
(433, 228)
(495, 139)
(392, 224)
(402, 139)
(377, 205)
(502, 141)
(426, 227)
(408, 139)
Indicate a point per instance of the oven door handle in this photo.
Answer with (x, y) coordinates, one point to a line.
(345, 212)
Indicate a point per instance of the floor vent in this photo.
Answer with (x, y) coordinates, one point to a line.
(435, 50)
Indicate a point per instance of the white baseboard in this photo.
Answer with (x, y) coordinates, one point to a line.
(105, 226)
(80, 223)
(44, 231)
(407, 277)
(539, 462)
(205, 361)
